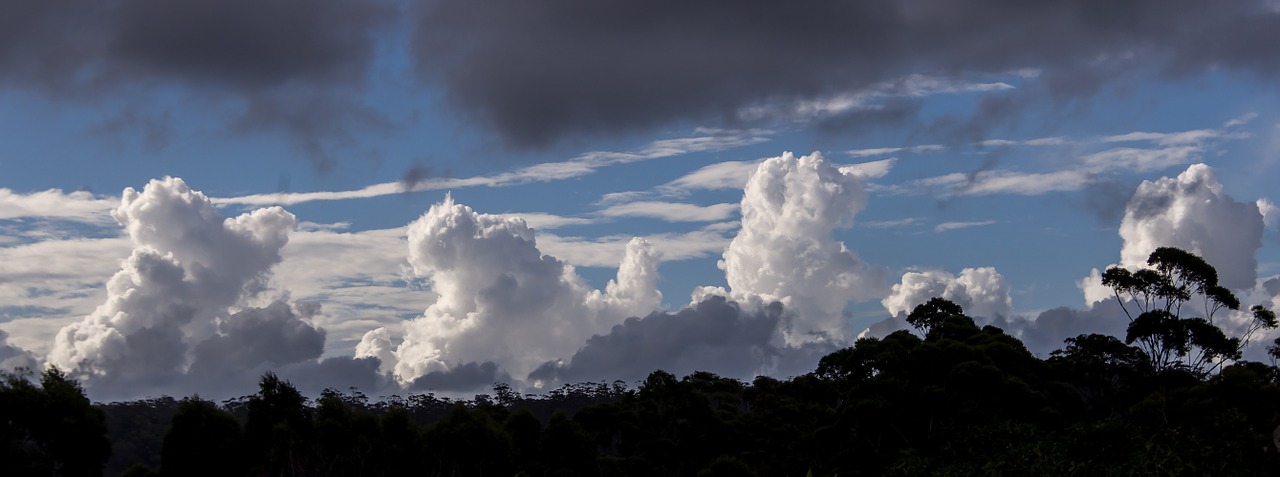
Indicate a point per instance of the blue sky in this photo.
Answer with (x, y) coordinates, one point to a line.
(987, 145)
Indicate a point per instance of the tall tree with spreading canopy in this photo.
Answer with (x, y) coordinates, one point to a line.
(1161, 303)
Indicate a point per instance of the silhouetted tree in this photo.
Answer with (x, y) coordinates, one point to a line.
(278, 429)
(203, 440)
(932, 313)
(50, 429)
(1162, 294)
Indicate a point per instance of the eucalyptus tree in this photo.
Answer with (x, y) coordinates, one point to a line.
(1173, 308)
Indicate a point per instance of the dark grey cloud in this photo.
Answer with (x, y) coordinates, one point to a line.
(891, 114)
(467, 377)
(1046, 332)
(538, 72)
(318, 123)
(250, 343)
(715, 335)
(12, 357)
(239, 44)
(1272, 286)
(155, 130)
(296, 65)
(253, 337)
(1106, 200)
(248, 44)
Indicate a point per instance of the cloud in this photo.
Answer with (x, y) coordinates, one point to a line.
(546, 221)
(880, 151)
(358, 277)
(54, 275)
(732, 175)
(986, 300)
(1192, 212)
(1088, 170)
(880, 103)
(178, 314)
(254, 340)
(1046, 331)
(295, 65)
(982, 292)
(613, 67)
(13, 357)
(1270, 213)
(889, 224)
(714, 335)
(870, 170)
(501, 299)
(945, 226)
(187, 267)
(468, 377)
(785, 250)
(607, 250)
(55, 204)
(581, 165)
(671, 211)
(718, 176)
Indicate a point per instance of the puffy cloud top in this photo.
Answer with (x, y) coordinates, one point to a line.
(1193, 213)
(785, 250)
(188, 266)
(982, 292)
(502, 300)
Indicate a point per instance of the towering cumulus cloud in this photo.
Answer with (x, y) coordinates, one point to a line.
(188, 266)
(790, 281)
(1193, 213)
(785, 250)
(503, 306)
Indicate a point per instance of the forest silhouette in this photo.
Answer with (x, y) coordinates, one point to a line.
(949, 397)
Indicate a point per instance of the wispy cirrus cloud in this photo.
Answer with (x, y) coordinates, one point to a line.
(79, 206)
(1163, 150)
(880, 151)
(708, 140)
(547, 221)
(606, 251)
(732, 175)
(890, 224)
(671, 211)
(946, 226)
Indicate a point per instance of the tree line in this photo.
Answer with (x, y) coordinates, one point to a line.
(949, 397)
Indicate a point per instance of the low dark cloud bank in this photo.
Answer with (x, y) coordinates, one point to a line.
(714, 335)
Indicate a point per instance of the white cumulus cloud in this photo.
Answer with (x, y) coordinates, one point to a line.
(1192, 212)
(982, 292)
(501, 301)
(188, 267)
(786, 251)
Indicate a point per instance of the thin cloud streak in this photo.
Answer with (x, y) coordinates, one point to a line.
(945, 226)
(672, 211)
(1166, 150)
(582, 165)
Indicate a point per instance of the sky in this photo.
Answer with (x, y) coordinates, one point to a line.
(435, 196)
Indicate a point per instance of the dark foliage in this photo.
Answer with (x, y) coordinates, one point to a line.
(49, 427)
